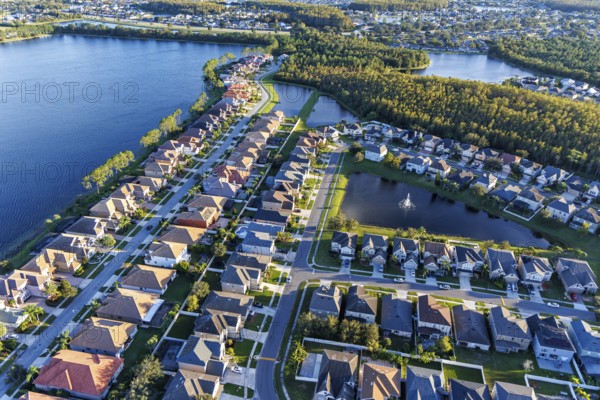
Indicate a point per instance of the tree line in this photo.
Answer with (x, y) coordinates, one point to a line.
(574, 57)
(397, 5)
(315, 15)
(111, 167)
(545, 127)
(574, 5)
(167, 126)
(182, 7)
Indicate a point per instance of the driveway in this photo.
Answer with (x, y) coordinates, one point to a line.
(465, 282)
(408, 276)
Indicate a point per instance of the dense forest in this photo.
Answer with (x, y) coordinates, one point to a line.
(548, 128)
(574, 5)
(318, 16)
(182, 7)
(268, 41)
(26, 31)
(397, 5)
(573, 57)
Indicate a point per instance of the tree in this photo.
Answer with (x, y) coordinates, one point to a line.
(124, 222)
(359, 157)
(218, 249)
(52, 291)
(182, 267)
(351, 224)
(32, 313)
(193, 303)
(3, 330)
(478, 190)
(107, 241)
(546, 214)
(584, 228)
(66, 289)
(147, 373)
(63, 340)
(283, 236)
(201, 289)
(152, 342)
(298, 353)
(16, 373)
(427, 357)
(444, 345)
(337, 222)
(32, 372)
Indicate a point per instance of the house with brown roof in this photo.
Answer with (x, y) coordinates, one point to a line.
(103, 336)
(186, 385)
(130, 306)
(201, 201)
(379, 382)
(361, 305)
(231, 303)
(159, 169)
(93, 227)
(148, 279)
(113, 208)
(82, 375)
(20, 285)
(202, 218)
(182, 234)
(232, 174)
(132, 191)
(434, 320)
(155, 184)
(437, 257)
(166, 254)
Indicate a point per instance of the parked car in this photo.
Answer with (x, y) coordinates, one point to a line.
(553, 305)
(12, 336)
(258, 305)
(380, 269)
(149, 227)
(237, 370)
(444, 286)
(289, 279)
(412, 273)
(399, 280)
(574, 296)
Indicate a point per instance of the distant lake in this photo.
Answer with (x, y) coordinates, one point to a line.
(478, 67)
(291, 98)
(375, 201)
(328, 111)
(78, 100)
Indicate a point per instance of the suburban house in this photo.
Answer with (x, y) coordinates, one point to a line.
(446, 146)
(203, 218)
(467, 151)
(529, 168)
(551, 175)
(12, 318)
(182, 234)
(586, 217)
(201, 201)
(155, 184)
(484, 154)
(439, 168)
(508, 161)
(148, 279)
(465, 390)
(470, 328)
(505, 193)
(576, 185)
(159, 169)
(433, 319)
(461, 178)
(530, 199)
(93, 227)
(354, 130)
(325, 302)
(232, 303)
(113, 208)
(344, 244)
(502, 264)
(94, 374)
(550, 342)
(577, 276)
(329, 133)
(249, 260)
(379, 382)
(130, 306)
(561, 209)
(437, 257)
(103, 336)
(509, 333)
(511, 391)
(202, 355)
(260, 239)
(193, 385)
(418, 164)
(374, 248)
(218, 325)
(594, 189)
(468, 260)
(486, 180)
(166, 254)
(132, 191)
(430, 144)
(534, 270)
(360, 305)
(375, 152)
(238, 279)
(337, 376)
(424, 383)
(214, 186)
(402, 248)
(21, 285)
(587, 345)
(38, 396)
(396, 316)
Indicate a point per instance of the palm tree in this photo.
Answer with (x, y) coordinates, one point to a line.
(33, 312)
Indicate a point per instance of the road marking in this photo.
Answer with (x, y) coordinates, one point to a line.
(267, 359)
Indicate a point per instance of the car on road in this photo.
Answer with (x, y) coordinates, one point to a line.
(258, 305)
(553, 305)
(444, 286)
(399, 280)
(12, 336)
(237, 370)
(149, 227)
(289, 279)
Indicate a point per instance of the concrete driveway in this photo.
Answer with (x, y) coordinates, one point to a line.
(465, 282)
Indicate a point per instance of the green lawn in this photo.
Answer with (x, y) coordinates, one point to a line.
(267, 324)
(178, 289)
(213, 279)
(183, 327)
(238, 391)
(550, 389)
(274, 275)
(253, 323)
(464, 373)
(242, 351)
(263, 297)
(139, 348)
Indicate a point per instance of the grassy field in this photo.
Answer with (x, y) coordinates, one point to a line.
(139, 348)
(269, 85)
(556, 232)
(183, 327)
(464, 373)
(178, 289)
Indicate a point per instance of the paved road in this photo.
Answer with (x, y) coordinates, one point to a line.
(302, 271)
(64, 320)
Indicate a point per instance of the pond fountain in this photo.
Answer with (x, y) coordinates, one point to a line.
(406, 204)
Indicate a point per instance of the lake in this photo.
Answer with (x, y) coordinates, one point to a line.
(291, 98)
(375, 201)
(70, 102)
(478, 67)
(327, 111)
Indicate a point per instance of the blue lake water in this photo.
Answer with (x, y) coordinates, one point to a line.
(477, 67)
(291, 98)
(375, 201)
(70, 102)
(327, 111)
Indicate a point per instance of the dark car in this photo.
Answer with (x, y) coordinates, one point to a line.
(258, 305)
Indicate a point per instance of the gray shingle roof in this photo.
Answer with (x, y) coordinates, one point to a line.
(464, 390)
(548, 333)
(470, 326)
(423, 383)
(361, 302)
(326, 299)
(396, 314)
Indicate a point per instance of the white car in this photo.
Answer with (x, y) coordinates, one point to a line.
(237, 370)
(12, 336)
(289, 279)
(444, 286)
(553, 305)
(412, 273)
(399, 280)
